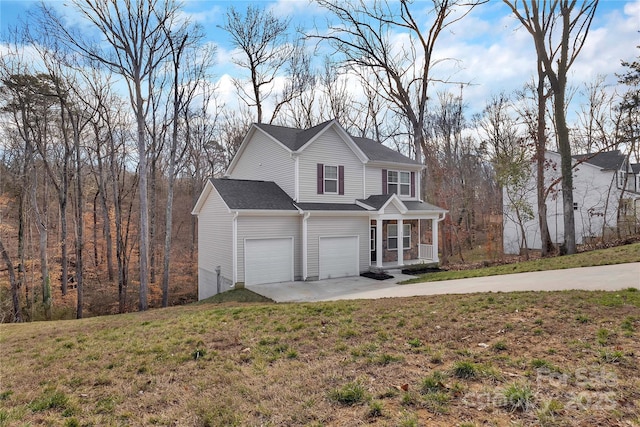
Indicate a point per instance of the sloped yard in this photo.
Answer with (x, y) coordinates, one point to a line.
(562, 358)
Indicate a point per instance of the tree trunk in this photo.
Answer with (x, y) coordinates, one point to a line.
(153, 217)
(569, 246)
(541, 144)
(79, 224)
(15, 298)
(144, 202)
(44, 266)
(102, 189)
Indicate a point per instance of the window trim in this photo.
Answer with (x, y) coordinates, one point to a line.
(395, 236)
(325, 179)
(406, 235)
(392, 236)
(398, 182)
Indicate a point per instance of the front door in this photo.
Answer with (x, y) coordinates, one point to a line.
(372, 244)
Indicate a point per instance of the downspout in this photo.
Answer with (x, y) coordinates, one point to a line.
(305, 272)
(234, 248)
(435, 230)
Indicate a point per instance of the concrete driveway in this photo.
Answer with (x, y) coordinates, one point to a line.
(608, 277)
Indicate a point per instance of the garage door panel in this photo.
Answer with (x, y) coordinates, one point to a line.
(268, 260)
(339, 257)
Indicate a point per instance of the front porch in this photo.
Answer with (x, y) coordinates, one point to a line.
(395, 243)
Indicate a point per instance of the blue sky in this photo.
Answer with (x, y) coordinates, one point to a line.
(493, 52)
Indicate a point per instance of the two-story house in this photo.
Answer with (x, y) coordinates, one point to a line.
(310, 204)
(605, 199)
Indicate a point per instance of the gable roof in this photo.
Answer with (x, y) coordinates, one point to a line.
(245, 194)
(295, 139)
(376, 201)
(378, 152)
(635, 167)
(607, 160)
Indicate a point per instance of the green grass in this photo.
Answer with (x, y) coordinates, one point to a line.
(412, 361)
(609, 256)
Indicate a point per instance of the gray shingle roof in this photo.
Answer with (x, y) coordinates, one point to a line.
(376, 201)
(607, 160)
(329, 207)
(635, 167)
(376, 151)
(422, 206)
(245, 194)
(294, 139)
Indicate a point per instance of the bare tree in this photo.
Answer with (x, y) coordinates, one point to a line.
(136, 45)
(558, 35)
(262, 38)
(362, 37)
(183, 43)
(15, 297)
(595, 118)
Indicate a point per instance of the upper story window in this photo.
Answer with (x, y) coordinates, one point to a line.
(330, 179)
(399, 182)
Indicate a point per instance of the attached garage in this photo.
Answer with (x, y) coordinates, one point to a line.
(268, 260)
(339, 257)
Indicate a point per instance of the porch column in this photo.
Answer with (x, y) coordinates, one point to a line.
(378, 243)
(400, 243)
(434, 238)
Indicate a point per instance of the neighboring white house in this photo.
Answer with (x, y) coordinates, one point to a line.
(309, 204)
(598, 181)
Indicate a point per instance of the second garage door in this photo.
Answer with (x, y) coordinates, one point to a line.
(268, 260)
(339, 257)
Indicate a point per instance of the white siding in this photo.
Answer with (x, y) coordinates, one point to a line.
(335, 226)
(214, 245)
(391, 209)
(374, 181)
(258, 227)
(595, 194)
(265, 160)
(330, 149)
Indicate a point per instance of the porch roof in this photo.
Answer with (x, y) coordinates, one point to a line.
(378, 201)
(419, 206)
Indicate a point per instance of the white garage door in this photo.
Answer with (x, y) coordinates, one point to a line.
(268, 260)
(339, 257)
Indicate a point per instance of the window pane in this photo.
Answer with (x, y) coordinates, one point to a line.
(405, 177)
(392, 188)
(392, 176)
(406, 236)
(406, 229)
(330, 186)
(392, 230)
(405, 189)
(331, 172)
(392, 243)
